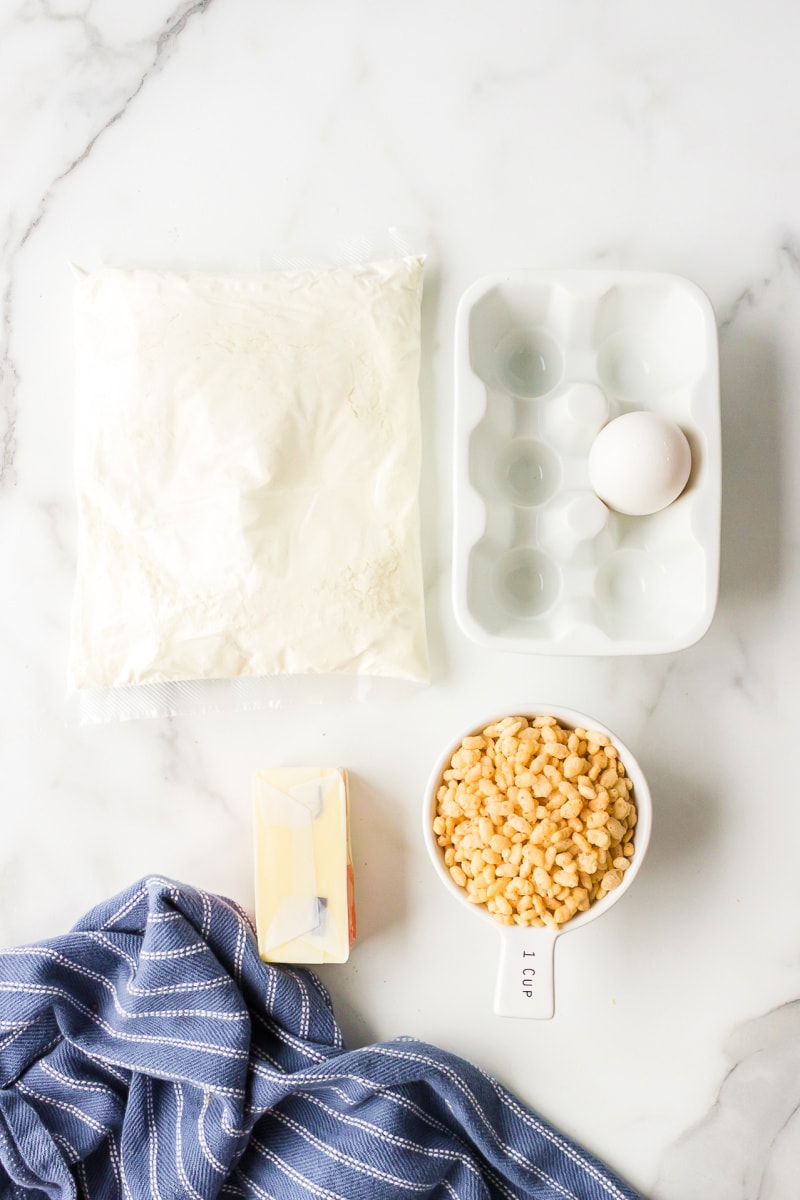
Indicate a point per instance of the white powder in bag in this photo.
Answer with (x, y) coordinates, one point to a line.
(247, 471)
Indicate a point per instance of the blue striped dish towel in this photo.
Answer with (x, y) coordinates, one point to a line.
(150, 1054)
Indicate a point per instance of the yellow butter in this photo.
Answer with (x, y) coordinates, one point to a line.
(303, 869)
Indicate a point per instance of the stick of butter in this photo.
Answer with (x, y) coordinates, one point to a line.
(305, 911)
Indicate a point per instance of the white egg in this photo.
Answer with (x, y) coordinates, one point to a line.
(639, 463)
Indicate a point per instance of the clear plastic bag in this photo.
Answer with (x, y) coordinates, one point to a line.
(247, 473)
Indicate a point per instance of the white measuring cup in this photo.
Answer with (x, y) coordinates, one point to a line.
(525, 981)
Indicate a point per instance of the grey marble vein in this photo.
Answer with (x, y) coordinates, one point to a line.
(747, 298)
(787, 253)
(748, 1146)
(9, 379)
(181, 764)
(25, 213)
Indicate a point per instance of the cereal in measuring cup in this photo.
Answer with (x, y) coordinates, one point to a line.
(535, 820)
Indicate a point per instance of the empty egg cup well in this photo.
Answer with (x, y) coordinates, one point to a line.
(528, 582)
(543, 362)
(528, 472)
(528, 363)
(525, 979)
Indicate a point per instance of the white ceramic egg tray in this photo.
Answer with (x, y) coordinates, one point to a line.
(543, 361)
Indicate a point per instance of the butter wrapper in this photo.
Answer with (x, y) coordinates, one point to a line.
(305, 909)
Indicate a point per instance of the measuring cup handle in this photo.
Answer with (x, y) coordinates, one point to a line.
(525, 978)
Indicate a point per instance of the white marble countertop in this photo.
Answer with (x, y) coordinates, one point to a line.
(229, 135)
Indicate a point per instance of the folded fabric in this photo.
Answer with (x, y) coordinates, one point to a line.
(150, 1054)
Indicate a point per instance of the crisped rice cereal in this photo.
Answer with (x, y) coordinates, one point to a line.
(535, 820)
